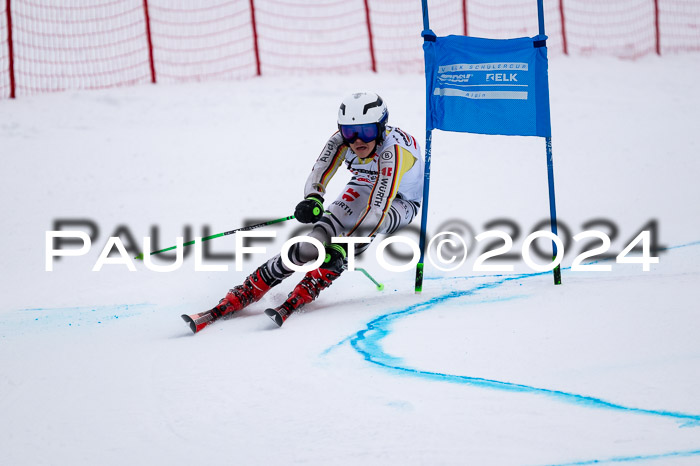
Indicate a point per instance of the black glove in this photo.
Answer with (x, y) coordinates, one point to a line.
(310, 210)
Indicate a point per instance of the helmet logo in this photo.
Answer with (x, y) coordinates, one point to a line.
(376, 103)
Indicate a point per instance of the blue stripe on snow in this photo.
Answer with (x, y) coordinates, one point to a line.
(22, 321)
(367, 343)
(629, 459)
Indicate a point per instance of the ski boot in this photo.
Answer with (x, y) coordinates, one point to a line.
(253, 288)
(311, 285)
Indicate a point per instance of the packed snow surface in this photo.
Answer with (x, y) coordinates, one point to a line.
(502, 368)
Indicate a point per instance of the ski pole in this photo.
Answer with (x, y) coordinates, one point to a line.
(380, 286)
(226, 233)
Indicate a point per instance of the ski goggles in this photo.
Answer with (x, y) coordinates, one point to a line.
(367, 132)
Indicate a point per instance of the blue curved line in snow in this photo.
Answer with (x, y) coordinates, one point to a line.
(367, 343)
(629, 459)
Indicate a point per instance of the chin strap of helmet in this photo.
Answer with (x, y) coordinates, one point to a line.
(382, 134)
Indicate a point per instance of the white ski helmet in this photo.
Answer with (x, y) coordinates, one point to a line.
(362, 108)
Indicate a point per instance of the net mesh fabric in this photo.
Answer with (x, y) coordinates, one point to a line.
(95, 44)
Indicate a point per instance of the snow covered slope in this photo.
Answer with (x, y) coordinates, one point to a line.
(481, 368)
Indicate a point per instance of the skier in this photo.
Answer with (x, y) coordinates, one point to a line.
(382, 196)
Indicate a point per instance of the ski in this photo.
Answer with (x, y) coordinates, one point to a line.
(198, 321)
(275, 316)
(278, 315)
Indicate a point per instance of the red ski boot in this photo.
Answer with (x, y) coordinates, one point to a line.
(253, 288)
(306, 291)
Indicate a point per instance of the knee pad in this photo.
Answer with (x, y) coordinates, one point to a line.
(336, 258)
(302, 253)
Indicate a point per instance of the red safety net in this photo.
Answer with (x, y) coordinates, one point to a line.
(298, 36)
(514, 18)
(624, 28)
(88, 44)
(5, 71)
(679, 25)
(91, 44)
(397, 25)
(195, 40)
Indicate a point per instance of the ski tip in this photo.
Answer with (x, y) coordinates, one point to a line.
(191, 323)
(274, 315)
